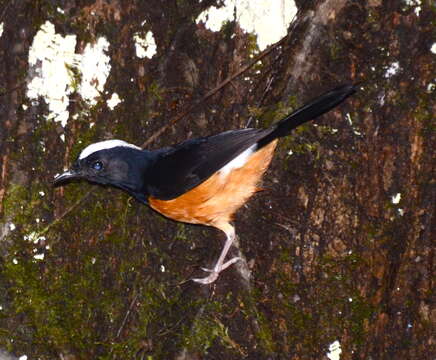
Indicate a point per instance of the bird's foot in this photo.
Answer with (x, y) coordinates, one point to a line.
(208, 279)
(215, 271)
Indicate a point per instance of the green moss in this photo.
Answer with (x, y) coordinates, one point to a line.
(264, 332)
(69, 299)
(336, 50)
(208, 330)
(15, 202)
(64, 302)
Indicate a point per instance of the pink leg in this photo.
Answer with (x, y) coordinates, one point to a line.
(220, 264)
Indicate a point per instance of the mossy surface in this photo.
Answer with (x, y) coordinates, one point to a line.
(86, 272)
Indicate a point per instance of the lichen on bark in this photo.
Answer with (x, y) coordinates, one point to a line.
(88, 273)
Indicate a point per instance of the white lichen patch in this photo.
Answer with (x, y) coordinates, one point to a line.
(52, 63)
(414, 3)
(50, 56)
(34, 237)
(39, 256)
(214, 17)
(1, 29)
(350, 121)
(334, 350)
(113, 101)
(269, 20)
(145, 47)
(95, 67)
(392, 69)
(396, 198)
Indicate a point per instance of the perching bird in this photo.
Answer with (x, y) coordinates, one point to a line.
(199, 181)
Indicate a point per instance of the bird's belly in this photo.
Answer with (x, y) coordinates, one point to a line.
(214, 201)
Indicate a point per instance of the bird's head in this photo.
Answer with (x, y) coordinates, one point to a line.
(112, 162)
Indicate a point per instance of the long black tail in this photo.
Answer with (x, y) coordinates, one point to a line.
(310, 111)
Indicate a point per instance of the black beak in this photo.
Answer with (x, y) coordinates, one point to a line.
(66, 177)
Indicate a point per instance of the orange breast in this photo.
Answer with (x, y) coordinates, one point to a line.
(214, 201)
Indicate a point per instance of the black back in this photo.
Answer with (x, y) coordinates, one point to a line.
(180, 168)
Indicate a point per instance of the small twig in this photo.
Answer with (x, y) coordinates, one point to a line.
(71, 208)
(129, 310)
(213, 92)
(259, 103)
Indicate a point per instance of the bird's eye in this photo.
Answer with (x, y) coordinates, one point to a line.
(98, 165)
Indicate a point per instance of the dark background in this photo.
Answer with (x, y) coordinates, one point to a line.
(331, 256)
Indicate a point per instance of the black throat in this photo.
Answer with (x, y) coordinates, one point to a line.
(132, 167)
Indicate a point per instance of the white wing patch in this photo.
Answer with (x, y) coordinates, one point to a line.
(238, 161)
(102, 145)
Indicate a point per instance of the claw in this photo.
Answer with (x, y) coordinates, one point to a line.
(230, 262)
(207, 270)
(215, 272)
(208, 279)
(220, 264)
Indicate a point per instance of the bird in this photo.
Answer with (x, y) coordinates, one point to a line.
(199, 181)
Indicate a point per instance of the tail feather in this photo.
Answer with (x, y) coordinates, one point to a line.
(310, 111)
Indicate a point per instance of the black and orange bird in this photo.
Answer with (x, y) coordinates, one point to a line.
(199, 181)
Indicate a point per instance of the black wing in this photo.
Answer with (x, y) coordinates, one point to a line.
(181, 168)
(178, 169)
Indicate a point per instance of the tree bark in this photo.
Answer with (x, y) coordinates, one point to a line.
(337, 247)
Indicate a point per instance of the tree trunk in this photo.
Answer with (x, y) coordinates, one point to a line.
(338, 246)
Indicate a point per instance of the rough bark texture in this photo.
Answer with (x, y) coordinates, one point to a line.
(331, 255)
